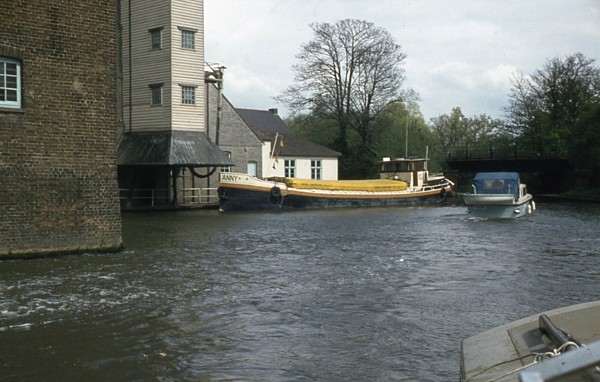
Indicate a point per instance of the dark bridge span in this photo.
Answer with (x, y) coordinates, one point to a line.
(511, 164)
(542, 173)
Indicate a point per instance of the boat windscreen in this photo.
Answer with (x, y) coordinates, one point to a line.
(497, 183)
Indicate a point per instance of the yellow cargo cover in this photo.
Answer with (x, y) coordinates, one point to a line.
(372, 185)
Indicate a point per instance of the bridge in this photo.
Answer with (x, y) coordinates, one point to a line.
(544, 172)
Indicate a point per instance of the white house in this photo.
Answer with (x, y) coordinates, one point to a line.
(284, 153)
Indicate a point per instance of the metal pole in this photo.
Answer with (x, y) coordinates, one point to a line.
(406, 135)
(219, 75)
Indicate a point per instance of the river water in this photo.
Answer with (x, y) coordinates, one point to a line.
(329, 295)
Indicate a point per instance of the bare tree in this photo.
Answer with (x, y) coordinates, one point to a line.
(348, 73)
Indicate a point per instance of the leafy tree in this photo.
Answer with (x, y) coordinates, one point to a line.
(456, 132)
(586, 148)
(546, 108)
(451, 130)
(348, 73)
(397, 122)
(401, 131)
(313, 128)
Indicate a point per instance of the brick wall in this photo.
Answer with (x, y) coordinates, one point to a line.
(58, 189)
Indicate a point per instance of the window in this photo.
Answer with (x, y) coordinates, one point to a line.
(252, 168)
(188, 95)
(156, 38)
(290, 168)
(315, 169)
(10, 83)
(156, 94)
(226, 168)
(188, 39)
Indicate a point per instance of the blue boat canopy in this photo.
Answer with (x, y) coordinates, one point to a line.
(496, 183)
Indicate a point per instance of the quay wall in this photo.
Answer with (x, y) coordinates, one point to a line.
(58, 186)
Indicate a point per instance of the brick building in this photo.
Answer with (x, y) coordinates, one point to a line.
(58, 127)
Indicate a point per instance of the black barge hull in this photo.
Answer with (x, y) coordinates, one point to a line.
(239, 199)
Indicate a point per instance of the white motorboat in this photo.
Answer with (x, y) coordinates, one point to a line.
(498, 195)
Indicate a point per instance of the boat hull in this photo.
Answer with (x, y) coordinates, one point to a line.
(487, 199)
(236, 199)
(499, 212)
(276, 196)
(497, 206)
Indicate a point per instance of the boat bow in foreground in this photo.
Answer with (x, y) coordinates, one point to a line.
(539, 348)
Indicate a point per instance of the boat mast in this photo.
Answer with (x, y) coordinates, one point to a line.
(271, 160)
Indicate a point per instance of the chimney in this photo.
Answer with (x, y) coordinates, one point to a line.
(274, 111)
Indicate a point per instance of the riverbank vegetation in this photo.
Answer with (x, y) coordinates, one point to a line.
(348, 95)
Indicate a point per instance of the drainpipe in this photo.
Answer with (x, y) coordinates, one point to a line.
(121, 127)
(219, 78)
(215, 76)
(174, 174)
(130, 69)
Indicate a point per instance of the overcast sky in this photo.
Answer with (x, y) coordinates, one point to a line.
(459, 52)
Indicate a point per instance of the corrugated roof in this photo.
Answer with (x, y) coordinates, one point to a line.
(171, 148)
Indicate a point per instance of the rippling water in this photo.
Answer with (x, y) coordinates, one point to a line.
(336, 295)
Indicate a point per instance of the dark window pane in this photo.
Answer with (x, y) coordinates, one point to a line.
(11, 69)
(11, 95)
(11, 82)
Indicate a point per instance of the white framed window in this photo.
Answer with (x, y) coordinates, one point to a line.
(188, 38)
(156, 94)
(10, 83)
(226, 169)
(315, 169)
(188, 95)
(290, 168)
(156, 38)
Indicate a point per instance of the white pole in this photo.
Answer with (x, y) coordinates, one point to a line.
(406, 135)
(271, 159)
(274, 145)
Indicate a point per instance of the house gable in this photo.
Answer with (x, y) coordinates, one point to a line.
(267, 124)
(235, 136)
(295, 152)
